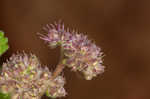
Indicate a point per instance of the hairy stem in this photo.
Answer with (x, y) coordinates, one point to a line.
(60, 66)
(58, 70)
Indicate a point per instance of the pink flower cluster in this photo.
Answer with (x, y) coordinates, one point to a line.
(24, 78)
(81, 54)
(56, 88)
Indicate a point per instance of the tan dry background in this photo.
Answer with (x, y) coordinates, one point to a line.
(120, 27)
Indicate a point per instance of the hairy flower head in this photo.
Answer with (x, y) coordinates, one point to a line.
(24, 78)
(56, 34)
(84, 56)
(81, 54)
(56, 88)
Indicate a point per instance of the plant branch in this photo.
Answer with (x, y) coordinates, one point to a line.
(60, 66)
(57, 71)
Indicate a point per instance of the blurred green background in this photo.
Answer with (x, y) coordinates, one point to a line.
(120, 27)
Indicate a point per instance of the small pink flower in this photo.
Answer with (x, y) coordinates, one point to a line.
(56, 34)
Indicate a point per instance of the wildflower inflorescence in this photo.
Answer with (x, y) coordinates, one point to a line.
(23, 77)
(81, 54)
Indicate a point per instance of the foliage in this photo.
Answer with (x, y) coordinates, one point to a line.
(3, 48)
(4, 96)
(3, 43)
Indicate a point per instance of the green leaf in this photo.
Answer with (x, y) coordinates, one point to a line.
(4, 96)
(3, 43)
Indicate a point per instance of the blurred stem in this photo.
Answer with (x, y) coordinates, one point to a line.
(57, 71)
(60, 65)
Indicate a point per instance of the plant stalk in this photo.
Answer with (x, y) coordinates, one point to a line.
(60, 66)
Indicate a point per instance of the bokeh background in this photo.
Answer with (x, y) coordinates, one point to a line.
(120, 27)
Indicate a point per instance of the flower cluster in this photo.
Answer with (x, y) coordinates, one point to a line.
(23, 77)
(56, 88)
(80, 53)
(55, 35)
